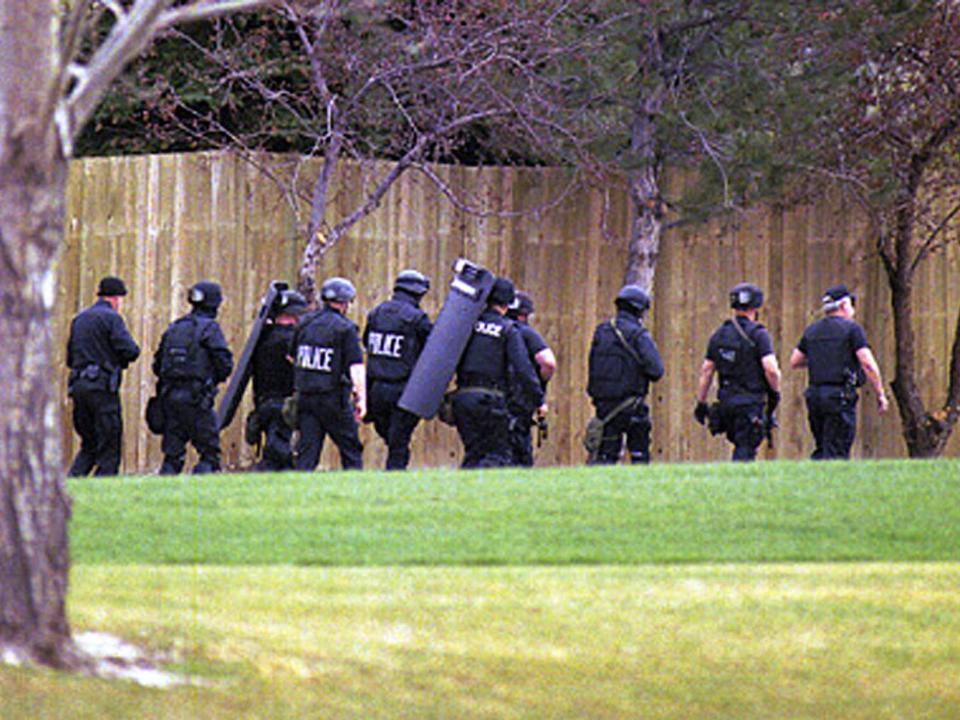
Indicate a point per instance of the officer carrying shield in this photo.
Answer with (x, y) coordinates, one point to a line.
(273, 381)
(624, 360)
(99, 349)
(394, 336)
(328, 371)
(741, 353)
(545, 363)
(494, 353)
(835, 351)
(191, 360)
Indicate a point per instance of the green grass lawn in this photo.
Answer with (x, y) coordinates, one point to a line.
(776, 590)
(764, 512)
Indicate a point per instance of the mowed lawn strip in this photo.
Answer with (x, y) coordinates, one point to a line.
(891, 511)
(857, 641)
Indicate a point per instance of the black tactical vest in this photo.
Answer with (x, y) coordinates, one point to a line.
(182, 356)
(737, 359)
(272, 372)
(318, 355)
(484, 360)
(614, 373)
(391, 339)
(830, 355)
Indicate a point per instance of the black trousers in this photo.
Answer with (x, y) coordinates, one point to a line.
(277, 450)
(322, 414)
(632, 425)
(189, 418)
(482, 421)
(832, 414)
(99, 423)
(393, 424)
(743, 418)
(521, 442)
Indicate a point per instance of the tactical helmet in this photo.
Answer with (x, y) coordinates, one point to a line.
(337, 289)
(502, 292)
(746, 296)
(205, 294)
(633, 298)
(522, 305)
(290, 302)
(413, 282)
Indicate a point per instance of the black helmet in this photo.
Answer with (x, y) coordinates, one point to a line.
(290, 302)
(205, 294)
(337, 289)
(522, 305)
(413, 282)
(502, 292)
(633, 298)
(746, 296)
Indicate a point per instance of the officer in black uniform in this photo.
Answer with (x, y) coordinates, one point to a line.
(394, 337)
(191, 360)
(836, 353)
(494, 354)
(545, 363)
(272, 374)
(741, 352)
(98, 351)
(328, 369)
(624, 360)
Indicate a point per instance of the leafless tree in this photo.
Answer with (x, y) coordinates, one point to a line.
(50, 84)
(413, 82)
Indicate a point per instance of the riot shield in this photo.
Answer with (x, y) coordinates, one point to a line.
(244, 368)
(465, 300)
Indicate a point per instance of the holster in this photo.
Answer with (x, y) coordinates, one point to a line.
(715, 419)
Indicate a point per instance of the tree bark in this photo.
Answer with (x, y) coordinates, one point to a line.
(34, 506)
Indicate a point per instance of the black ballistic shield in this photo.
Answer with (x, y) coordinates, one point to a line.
(465, 301)
(241, 373)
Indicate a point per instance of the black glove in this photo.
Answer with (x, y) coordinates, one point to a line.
(773, 399)
(701, 412)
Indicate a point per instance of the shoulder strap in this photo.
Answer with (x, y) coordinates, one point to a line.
(626, 346)
(619, 409)
(743, 334)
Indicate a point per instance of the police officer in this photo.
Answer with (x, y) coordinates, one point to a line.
(835, 351)
(624, 360)
(191, 360)
(494, 353)
(99, 349)
(273, 380)
(328, 369)
(545, 363)
(394, 336)
(741, 353)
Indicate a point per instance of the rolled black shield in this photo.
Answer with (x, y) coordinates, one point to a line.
(243, 370)
(436, 365)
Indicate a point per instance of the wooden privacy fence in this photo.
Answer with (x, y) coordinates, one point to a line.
(165, 222)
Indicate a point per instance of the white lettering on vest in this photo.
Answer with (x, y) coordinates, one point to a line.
(310, 357)
(488, 328)
(385, 344)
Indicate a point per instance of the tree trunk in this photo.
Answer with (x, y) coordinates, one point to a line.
(34, 506)
(646, 230)
(317, 242)
(926, 434)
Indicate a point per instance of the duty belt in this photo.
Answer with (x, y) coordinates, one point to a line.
(481, 389)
